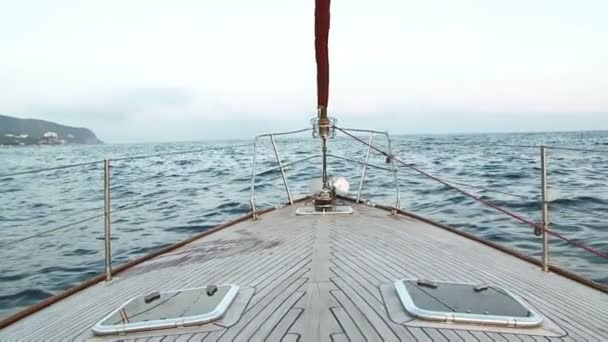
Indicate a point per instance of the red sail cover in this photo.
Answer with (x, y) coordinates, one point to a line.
(321, 38)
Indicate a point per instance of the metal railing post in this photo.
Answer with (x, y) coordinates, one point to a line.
(276, 154)
(364, 170)
(392, 160)
(253, 173)
(545, 207)
(107, 219)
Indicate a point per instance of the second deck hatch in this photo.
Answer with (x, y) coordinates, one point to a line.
(169, 309)
(465, 303)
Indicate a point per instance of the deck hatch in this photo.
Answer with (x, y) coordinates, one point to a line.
(169, 309)
(465, 303)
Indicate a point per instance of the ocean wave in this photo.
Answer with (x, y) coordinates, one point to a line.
(586, 201)
(24, 297)
(213, 186)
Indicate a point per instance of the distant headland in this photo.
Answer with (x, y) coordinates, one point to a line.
(22, 132)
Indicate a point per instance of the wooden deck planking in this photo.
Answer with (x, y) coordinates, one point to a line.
(467, 255)
(317, 278)
(529, 289)
(352, 330)
(282, 327)
(466, 275)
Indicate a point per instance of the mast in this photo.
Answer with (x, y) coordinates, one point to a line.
(322, 16)
(322, 55)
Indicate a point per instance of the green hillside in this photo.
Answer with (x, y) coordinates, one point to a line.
(15, 131)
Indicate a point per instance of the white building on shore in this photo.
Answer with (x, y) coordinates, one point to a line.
(50, 138)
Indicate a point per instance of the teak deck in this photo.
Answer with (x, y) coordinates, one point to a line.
(328, 278)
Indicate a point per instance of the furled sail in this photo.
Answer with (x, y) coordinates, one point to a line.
(321, 40)
(325, 197)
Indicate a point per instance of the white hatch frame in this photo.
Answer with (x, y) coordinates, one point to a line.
(533, 320)
(215, 314)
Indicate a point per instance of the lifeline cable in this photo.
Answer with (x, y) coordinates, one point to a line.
(481, 200)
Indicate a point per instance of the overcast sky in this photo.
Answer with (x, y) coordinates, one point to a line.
(191, 70)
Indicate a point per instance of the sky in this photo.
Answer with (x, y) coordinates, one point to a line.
(137, 71)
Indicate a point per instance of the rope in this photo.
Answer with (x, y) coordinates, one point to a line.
(283, 133)
(62, 167)
(593, 213)
(586, 212)
(89, 219)
(141, 204)
(157, 155)
(578, 244)
(576, 149)
(488, 190)
(484, 145)
(481, 200)
(173, 153)
(364, 131)
(49, 169)
(50, 230)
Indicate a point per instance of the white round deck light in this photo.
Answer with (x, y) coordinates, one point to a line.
(341, 185)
